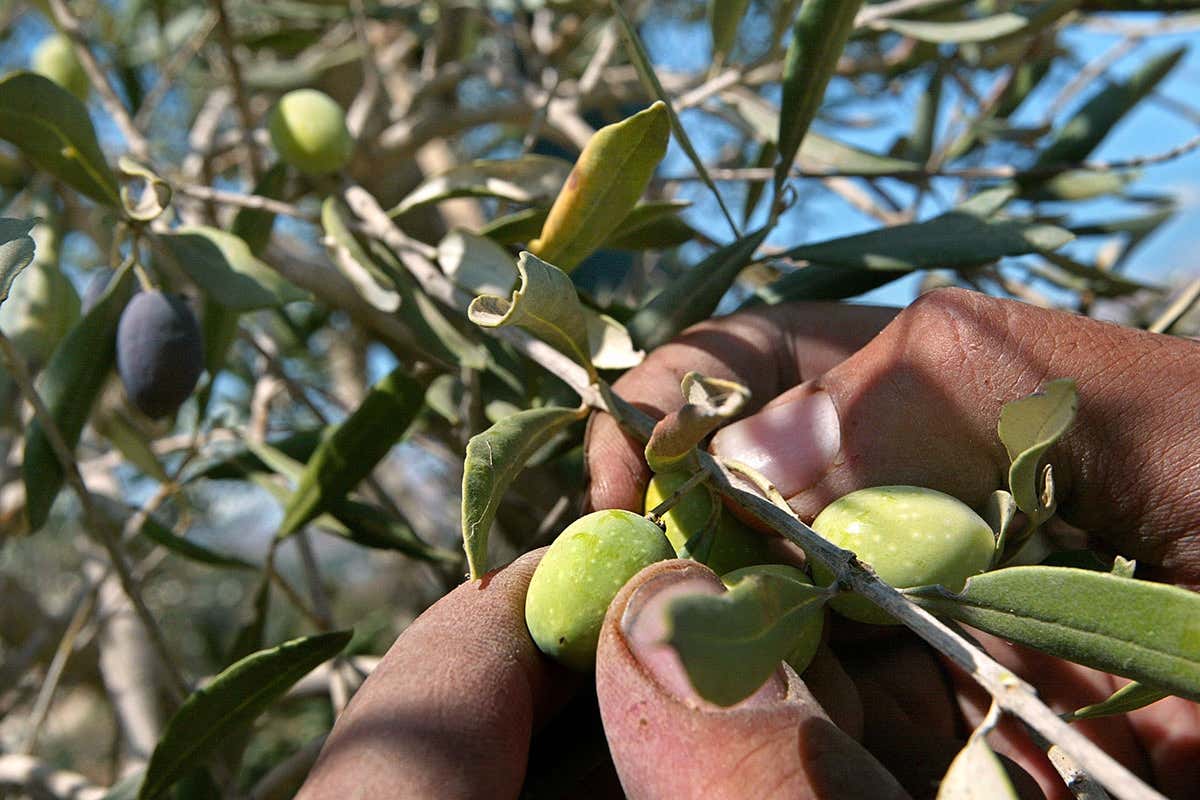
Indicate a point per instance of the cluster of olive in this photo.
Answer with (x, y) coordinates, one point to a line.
(909, 535)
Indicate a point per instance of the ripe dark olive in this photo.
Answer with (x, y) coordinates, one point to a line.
(160, 352)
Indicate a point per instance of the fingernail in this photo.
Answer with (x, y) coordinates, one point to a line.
(644, 624)
(792, 443)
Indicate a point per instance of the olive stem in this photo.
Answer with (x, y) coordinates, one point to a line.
(655, 514)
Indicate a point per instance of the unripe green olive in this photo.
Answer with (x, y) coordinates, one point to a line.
(805, 646)
(579, 576)
(309, 131)
(55, 58)
(910, 536)
(734, 544)
(41, 307)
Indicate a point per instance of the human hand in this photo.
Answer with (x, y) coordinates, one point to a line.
(452, 708)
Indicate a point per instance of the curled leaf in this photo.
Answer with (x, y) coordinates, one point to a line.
(16, 250)
(1028, 427)
(155, 194)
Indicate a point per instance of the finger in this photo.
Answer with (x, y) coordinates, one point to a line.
(668, 743)
(920, 404)
(768, 350)
(450, 709)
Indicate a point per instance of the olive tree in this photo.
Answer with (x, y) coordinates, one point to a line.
(349, 278)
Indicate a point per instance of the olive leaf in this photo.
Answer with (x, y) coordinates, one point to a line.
(1028, 427)
(723, 19)
(53, 129)
(223, 264)
(1146, 631)
(16, 250)
(609, 343)
(649, 78)
(819, 282)
(731, 643)
(69, 387)
(114, 425)
(954, 240)
(155, 195)
(819, 35)
(517, 227)
(694, 295)
(545, 304)
(1088, 127)
(1130, 697)
(999, 512)
(976, 773)
(351, 449)
(494, 458)
(119, 513)
(353, 261)
(610, 175)
(232, 700)
(708, 404)
(983, 29)
(476, 263)
(530, 179)
(651, 226)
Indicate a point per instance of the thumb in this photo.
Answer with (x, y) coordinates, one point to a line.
(666, 742)
(919, 405)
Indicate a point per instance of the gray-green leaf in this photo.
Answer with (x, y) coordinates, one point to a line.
(976, 774)
(731, 643)
(493, 460)
(545, 304)
(984, 29)
(724, 16)
(232, 700)
(351, 449)
(530, 179)
(53, 129)
(353, 260)
(1129, 697)
(1146, 631)
(224, 267)
(16, 250)
(1028, 427)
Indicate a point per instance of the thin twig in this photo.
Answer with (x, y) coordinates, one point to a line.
(172, 71)
(241, 99)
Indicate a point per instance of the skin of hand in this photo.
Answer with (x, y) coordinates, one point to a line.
(854, 396)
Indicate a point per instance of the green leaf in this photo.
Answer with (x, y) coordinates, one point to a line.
(155, 195)
(545, 304)
(493, 460)
(984, 29)
(16, 250)
(731, 643)
(370, 526)
(353, 260)
(1129, 697)
(976, 773)
(160, 534)
(954, 240)
(477, 263)
(999, 511)
(1077, 276)
(819, 282)
(253, 226)
(529, 180)
(352, 448)
(694, 295)
(53, 129)
(1083, 133)
(1082, 184)
(612, 172)
(115, 426)
(724, 16)
(517, 227)
(818, 37)
(645, 70)
(224, 267)
(232, 700)
(69, 386)
(240, 460)
(609, 343)
(1146, 631)
(651, 226)
(1028, 427)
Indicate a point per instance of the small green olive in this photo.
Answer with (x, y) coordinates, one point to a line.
(40, 309)
(309, 131)
(805, 647)
(734, 544)
(910, 536)
(579, 576)
(55, 58)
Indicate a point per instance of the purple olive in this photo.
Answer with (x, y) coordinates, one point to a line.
(160, 352)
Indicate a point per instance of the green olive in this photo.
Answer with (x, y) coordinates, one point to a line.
(309, 131)
(41, 307)
(579, 576)
(910, 536)
(805, 647)
(55, 58)
(734, 544)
